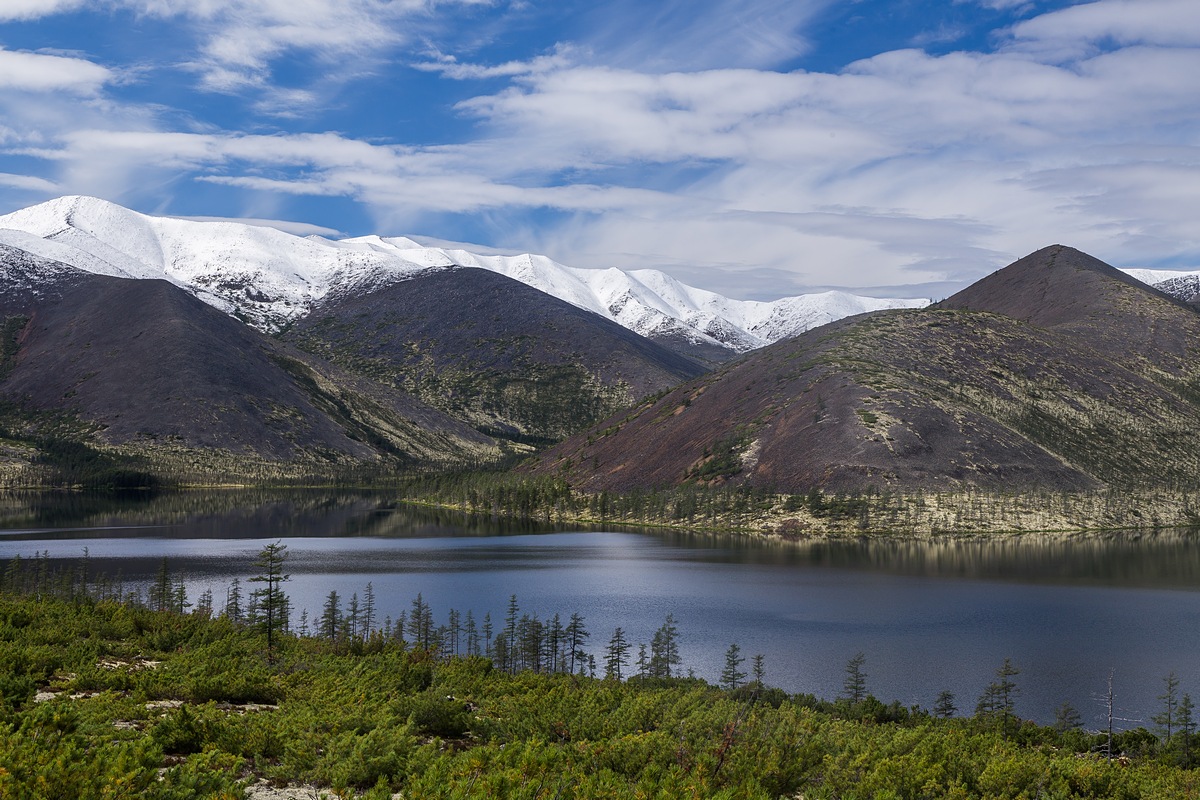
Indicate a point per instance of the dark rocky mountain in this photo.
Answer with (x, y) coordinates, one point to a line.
(1057, 372)
(144, 365)
(511, 360)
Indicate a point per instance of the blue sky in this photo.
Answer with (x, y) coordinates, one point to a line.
(754, 147)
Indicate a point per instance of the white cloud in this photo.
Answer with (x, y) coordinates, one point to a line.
(669, 35)
(34, 9)
(36, 72)
(238, 40)
(28, 182)
(451, 67)
(1114, 22)
(901, 168)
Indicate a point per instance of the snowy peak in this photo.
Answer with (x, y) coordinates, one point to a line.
(272, 278)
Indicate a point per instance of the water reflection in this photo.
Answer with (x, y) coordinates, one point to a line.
(236, 514)
(1158, 559)
(930, 615)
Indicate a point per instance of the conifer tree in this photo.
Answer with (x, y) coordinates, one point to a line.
(664, 649)
(510, 630)
(1067, 718)
(999, 698)
(271, 603)
(577, 634)
(330, 624)
(732, 676)
(368, 610)
(616, 655)
(233, 602)
(758, 671)
(944, 707)
(1170, 698)
(854, 686)
(1187, 727)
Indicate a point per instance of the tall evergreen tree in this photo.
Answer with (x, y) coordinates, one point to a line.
(616, 655)
(420, 623)
(272, 603)
(233, 601)
(758, 671)
(999, 698)
(664, 650)
(161, 594)
(1067, 718)
(204, 604)
(1187, 727)
(944, 706)
(1170, 699)
(368, 610)
(854, 685)
(732, 675)
(353, 616)
(510, 631)
(472, 633)
(487, 634)
(577, 635)
(330, 624)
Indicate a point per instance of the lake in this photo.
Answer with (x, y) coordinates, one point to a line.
(929, 616)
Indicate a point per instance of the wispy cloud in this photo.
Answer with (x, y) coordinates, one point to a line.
(238, 41)
(39, 72)
(1077, 126)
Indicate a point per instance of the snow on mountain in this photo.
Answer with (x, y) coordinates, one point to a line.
(1183, 285)
(270, 277)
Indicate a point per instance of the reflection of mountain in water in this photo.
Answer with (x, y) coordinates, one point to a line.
(1167, 559)
(236, 514)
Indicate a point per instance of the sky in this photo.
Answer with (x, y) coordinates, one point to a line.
(757, 148)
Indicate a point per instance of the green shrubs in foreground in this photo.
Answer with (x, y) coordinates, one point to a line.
(155, 704)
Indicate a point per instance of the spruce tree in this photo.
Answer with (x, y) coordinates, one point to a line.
(732, 676)
(854, 686)
(1170, 698)
(943, 707)
(758, 671)
(616, 655)
(271, 602)
(1067, 718)
(577, 634)
(330, 624)
(1187, 727)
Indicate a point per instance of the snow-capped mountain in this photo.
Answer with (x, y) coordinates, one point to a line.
(271, 278)
(1184, 286)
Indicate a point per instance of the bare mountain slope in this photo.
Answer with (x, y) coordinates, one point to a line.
(144, 362)
(1020, 381)
(485, 348)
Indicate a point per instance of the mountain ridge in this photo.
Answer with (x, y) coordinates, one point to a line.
(271, 278)
(957, 395)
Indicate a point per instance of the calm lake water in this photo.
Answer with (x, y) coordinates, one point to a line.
(928, 616)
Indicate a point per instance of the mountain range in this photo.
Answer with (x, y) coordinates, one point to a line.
(199, 349)
(270, 278)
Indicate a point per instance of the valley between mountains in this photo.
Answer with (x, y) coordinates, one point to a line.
(1057, 393)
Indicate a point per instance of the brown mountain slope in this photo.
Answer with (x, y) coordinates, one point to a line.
(504, 356)
(144, 362)
(938, 399)
(1061, 288)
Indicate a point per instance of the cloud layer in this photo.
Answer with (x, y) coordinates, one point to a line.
(703, 156)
